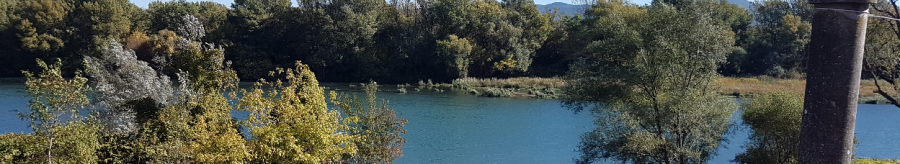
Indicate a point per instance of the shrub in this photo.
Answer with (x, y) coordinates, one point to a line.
(378, 127)
(775, 120)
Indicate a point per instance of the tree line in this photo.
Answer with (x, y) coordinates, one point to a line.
(393, 41)
(645, 72)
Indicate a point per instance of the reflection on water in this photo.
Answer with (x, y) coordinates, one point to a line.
(452, 127)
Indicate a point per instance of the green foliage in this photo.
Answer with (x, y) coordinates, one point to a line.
(508, 33)
(881, 49)
(204, 63)
(169, 15)
(378, 126)
(648, 81)
(20, 147)
(775, 120)
(777, 45)
(497, 92)
(454, 52)
(290, 122)
(101, 20)
(61, 131)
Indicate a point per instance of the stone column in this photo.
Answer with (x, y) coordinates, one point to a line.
(832, 83)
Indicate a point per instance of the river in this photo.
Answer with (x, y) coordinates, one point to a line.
(453, 127)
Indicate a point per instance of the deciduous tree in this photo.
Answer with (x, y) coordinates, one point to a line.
(649, 86)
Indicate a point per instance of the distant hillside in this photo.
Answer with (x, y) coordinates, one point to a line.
(563, 8)
(742, 3)
(578, 9)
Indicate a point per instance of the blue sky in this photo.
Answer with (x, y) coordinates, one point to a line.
(144, 3)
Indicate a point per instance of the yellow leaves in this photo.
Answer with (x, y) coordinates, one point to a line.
(332, 95)
(165, 42)
(292, 124)
(136, 40)
(47, 11)
(26, 28)
(76, 142)
(456, 45)
(218, 143)
(793, 24)
(487, 10)
(505, 64)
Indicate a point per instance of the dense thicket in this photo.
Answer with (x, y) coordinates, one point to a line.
(391, 41)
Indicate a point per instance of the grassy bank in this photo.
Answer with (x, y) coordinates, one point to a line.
(550, 88)
(875, 161)
(761, 85)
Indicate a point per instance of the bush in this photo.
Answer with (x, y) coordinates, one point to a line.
(775, 121)
(21, 148)
(497, 92)
(377, 125)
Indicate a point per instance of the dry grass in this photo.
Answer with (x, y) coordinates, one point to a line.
(742, 86)
(516, 82)
(727, 85)
(875, 161)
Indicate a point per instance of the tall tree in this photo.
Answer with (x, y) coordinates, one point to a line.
(882, 46)
(454, 53)
(649, 85)
(777, 45)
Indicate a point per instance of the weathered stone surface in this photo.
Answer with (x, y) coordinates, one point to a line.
(832, 84)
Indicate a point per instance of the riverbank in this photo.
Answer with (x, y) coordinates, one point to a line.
(762, 85)
(550, 88)
(875, 161)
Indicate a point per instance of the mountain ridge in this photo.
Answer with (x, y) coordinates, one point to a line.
(571, 9)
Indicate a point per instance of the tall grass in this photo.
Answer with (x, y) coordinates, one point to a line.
(549, 87)
(761, 85)
(875, 161)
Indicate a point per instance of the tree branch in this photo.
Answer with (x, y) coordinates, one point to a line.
(880, 91)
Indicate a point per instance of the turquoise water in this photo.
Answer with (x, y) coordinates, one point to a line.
(453, 127)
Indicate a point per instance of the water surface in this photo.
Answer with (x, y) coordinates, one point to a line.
(453, 127)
